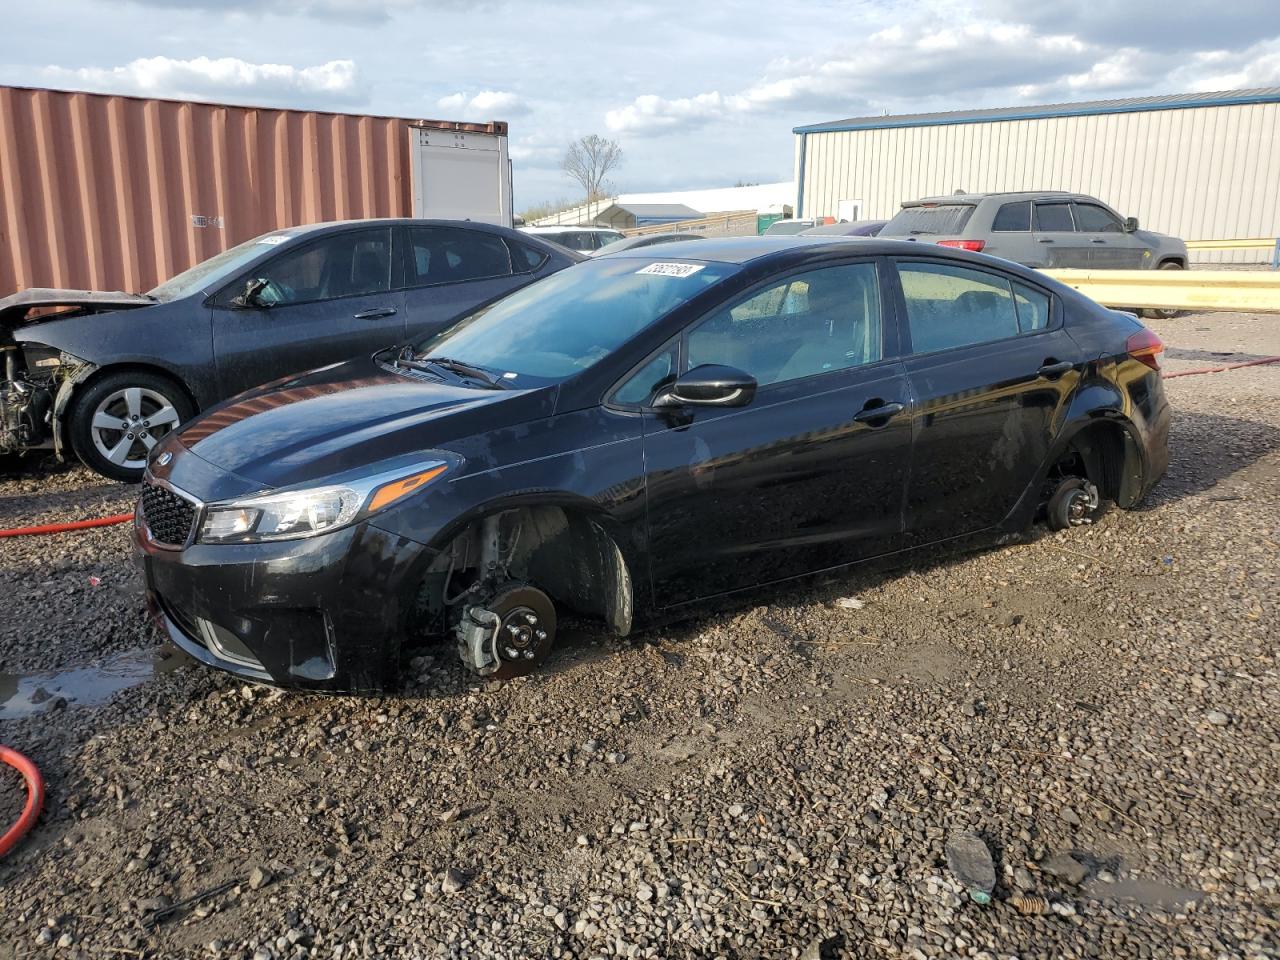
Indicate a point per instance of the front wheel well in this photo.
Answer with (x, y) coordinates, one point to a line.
(79, 388)
(564, 551)
(1180, 262)
(1105, 454)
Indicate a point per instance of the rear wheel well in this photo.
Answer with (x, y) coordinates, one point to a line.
(562, 551)
(1106, 455)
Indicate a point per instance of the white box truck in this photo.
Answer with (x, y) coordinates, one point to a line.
(461, 174)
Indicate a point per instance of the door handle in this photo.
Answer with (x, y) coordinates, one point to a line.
(1096, 240)
(374, 314)
(1053, 369)
(1043, 240)
(881, 411)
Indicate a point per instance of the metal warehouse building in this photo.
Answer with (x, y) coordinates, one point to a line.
(1202, 166)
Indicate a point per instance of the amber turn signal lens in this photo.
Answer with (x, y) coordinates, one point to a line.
(391, 492)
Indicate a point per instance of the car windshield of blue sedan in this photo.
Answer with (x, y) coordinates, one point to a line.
(569, 321)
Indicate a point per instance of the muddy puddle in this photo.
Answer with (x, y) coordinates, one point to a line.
(22, 695)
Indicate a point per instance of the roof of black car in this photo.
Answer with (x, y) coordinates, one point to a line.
(743, 249)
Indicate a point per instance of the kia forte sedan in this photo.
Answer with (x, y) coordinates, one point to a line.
(636, 435)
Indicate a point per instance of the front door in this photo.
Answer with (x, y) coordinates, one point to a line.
(807, 476)
(327, 300)
(1109, 246)
(990, 371)
(1055, 237)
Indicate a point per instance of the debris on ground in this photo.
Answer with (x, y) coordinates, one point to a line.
(970, 862)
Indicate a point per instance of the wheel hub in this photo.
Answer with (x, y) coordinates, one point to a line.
(519, 635)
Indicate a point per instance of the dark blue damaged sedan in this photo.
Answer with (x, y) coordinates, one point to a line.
(634, 436)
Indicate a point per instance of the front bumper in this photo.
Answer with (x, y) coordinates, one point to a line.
(323, 613)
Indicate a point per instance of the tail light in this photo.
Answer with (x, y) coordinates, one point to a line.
(1145, 347)
(974, 245)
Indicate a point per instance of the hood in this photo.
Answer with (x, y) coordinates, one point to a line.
(16, 309)
(346, 417)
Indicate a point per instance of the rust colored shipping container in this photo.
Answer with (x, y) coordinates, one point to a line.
(118, 193)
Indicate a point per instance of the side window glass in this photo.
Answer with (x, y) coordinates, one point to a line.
(525, 258)
(450, 255)
(1054, 217)
(1013, 217)
(349, 264)
(1033, 308)
(1091, 218)
(950, 306)
(644, 383)
(812, 323)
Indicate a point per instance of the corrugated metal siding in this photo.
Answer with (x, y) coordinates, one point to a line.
(119, 193)
(1200, 174)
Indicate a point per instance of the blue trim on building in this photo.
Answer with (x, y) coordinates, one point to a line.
(1033, 113)
(804, 142)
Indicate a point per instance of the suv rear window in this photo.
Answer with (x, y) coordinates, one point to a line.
(943, 218)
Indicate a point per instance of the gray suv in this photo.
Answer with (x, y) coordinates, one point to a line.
(1043, 228)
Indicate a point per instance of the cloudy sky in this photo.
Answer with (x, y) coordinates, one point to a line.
(699, 94)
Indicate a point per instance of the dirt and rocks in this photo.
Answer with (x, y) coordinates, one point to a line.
(1101, 707)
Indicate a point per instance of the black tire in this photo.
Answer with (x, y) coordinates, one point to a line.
(1058, 511)
(1164, 314)
(112, 396)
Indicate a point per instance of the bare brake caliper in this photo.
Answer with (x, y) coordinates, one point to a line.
(508, 627)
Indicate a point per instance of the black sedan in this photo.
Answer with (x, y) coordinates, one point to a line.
(110, 374)
(636, 435)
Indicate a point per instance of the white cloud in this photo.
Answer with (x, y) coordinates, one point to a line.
(896, 65)
(491, 104)
(1258, 66)
(332, 83)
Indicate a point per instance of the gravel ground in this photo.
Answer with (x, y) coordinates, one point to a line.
(1102, 707)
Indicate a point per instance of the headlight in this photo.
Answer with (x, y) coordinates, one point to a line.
(304, 512)
(38, 356)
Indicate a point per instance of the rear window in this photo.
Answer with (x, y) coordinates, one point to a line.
(943, 218)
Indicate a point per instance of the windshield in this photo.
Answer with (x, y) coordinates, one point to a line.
(946, 218)
(569, 321)
(216, 268)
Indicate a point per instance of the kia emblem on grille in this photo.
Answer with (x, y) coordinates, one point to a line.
(163, 459)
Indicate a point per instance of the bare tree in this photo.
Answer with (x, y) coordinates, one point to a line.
(589, 160)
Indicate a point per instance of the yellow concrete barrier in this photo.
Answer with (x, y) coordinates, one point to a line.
(1246, 291)
(1257, 243)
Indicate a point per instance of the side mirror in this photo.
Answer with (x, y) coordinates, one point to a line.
(1130, 224)
(710, 385)
(252, 290)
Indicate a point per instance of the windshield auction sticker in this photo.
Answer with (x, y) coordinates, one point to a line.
(671, 269)
(276, 238)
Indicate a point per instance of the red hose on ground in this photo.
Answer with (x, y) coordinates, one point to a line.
(1229, 366)
(64, 527)
(35, 798)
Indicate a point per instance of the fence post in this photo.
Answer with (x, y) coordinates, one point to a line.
(1275, 257)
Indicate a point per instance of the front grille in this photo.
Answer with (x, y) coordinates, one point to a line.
(168, 516)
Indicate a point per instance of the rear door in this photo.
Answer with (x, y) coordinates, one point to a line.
(1110, 247)
(329, 299)
(990, 371)
(449, 270)
(806, 476)
(1055, 235)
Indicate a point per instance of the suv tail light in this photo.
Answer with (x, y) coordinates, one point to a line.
(1145, 347)
(974, 245)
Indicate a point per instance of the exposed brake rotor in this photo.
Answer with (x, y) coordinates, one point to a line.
(510, 633)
